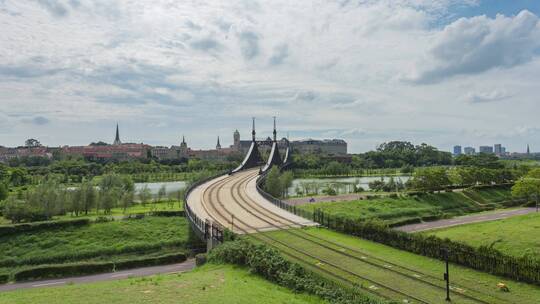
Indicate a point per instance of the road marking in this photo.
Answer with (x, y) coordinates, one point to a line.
(121, 274)
(47, 284)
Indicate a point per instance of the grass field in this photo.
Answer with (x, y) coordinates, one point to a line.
(376, 267)
(99, 241)
(209, 284)
(518, 236)
(398, 209)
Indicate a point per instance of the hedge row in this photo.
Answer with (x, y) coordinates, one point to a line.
(272, 266)
(482, 258)
(54, 271)
(74, 256)
(4, 278)
(168, 213)
(17, 228)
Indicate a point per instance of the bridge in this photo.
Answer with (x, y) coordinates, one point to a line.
(235, 200)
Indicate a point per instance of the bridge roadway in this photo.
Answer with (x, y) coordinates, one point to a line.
(234, 202)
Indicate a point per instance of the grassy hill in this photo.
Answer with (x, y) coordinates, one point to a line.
(96, 242)
(209, 284)
(517, 236)
(394, 210)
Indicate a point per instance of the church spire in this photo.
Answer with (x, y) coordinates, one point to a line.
(218, 145)
(117, 138)
(275, 132)
(253, 130)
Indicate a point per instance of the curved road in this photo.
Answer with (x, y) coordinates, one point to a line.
(233, 201)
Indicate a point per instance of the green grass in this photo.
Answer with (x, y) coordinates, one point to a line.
(396, 209)
(390, 260)
(102, 241)
(208, 284)
(518, 236)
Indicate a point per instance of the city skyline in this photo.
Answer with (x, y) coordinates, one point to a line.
(366, 72)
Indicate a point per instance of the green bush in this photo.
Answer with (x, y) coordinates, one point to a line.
(168, 213)
(200, 259)
(17, 228)
(65, 270)
(272, 266)
(4, 278)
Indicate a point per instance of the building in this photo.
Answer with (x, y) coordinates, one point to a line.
(486, 149)
(326, 146)
(497, 148)
(116, 151)
(9, 153)
(469, 151)
(457, 150)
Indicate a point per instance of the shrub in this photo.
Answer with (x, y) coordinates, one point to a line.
(51, 271)
(17, 228)
(168, 213)
(4, 278)
(272, 266)
(200, 259)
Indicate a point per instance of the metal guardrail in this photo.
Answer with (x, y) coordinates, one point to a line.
(281, 204)
(201, 227)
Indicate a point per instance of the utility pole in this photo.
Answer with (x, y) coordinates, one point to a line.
(446, 275)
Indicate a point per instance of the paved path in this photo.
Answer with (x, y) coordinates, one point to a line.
(137, 272)
(467, 219)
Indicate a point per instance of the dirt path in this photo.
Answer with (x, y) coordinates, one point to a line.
(467, 219)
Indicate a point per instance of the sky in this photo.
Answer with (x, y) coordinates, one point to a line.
(443, 72)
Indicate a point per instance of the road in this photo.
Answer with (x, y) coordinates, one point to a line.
(467, 219)
(234, 202)
(137, 272)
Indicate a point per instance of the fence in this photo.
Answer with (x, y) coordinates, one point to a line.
(202, 228)
(482, 258)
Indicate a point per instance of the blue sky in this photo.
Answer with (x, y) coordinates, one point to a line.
(443, 72)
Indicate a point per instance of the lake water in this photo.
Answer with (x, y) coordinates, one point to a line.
(171, 187)
(341, 185)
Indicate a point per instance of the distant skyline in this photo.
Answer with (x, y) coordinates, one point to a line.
(443, 72)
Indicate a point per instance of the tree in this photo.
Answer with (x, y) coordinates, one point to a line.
(162, 192)
(4, 191)
(144, 195)
(88, 197)
(127, 200)
(273, 184)
(31, 142)
(430, 179)
(286, 180)
(528, 186)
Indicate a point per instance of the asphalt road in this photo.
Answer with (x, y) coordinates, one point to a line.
(137, 272)
(467, 219)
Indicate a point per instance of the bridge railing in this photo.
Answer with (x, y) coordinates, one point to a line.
(282, 204)
(201, 227)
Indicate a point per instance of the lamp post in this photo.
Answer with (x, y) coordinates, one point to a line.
(446, 274)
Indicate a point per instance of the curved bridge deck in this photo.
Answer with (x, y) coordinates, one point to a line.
(234, 202)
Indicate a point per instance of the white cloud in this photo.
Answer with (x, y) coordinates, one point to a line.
(486, 96)
(474, 45)
(163, 68)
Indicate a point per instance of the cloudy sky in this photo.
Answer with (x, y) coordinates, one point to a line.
(443, 72)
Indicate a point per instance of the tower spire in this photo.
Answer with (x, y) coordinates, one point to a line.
(253, 130)
(218, 145)
(117, 137)
(528, 149)
(275, 132)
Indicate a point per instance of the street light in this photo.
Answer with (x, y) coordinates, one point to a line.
(444, 251)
